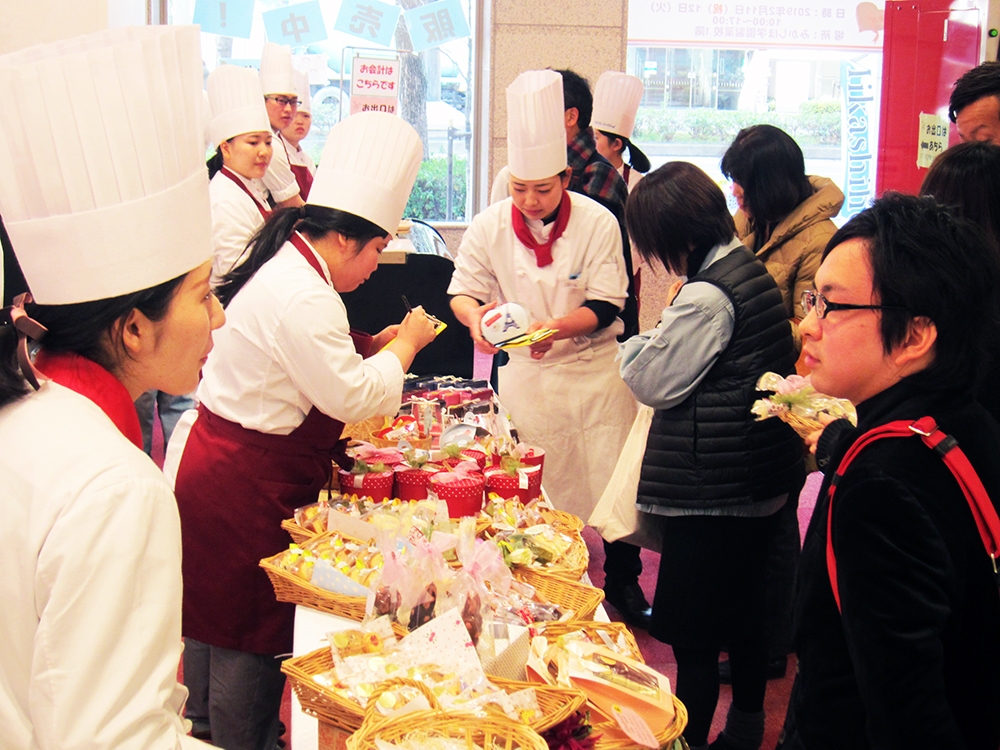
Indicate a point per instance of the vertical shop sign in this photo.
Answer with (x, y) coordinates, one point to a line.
(375, 84)
(859, 128)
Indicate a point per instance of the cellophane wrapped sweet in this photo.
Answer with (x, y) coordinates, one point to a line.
(795, 401)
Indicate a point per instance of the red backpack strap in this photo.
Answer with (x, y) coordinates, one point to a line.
(955, 459)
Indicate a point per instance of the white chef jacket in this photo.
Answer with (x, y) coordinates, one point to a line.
(90, 551)
(235, 219)
(279, 179)
(300, 158)
(286, 348)
(586, 265)
(572, 402)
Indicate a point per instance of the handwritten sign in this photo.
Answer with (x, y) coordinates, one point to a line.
(374, 84)
(932, 140)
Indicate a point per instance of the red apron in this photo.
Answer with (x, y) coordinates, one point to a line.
(304, 177)
(234, 487)
(302, 174)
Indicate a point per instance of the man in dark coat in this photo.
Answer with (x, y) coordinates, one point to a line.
(904, 309)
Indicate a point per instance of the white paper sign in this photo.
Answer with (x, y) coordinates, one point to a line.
(933, 138)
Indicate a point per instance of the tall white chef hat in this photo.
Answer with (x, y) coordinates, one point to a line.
(237, 108)
(276, 72)
(536, 130)
(616, 99)
(103, 187)
(368, 167)
(302, 89)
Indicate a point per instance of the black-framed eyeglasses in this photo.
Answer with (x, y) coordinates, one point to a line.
(813, 300)
(284, 101)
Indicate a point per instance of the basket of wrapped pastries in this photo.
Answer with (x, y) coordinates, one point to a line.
(533, 537)
(368, 675)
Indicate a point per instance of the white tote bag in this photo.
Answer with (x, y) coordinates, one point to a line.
(615, 515)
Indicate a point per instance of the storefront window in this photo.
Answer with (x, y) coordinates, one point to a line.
(810, 67)
(430, 48)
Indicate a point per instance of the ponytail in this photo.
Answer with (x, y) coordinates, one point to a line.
(312, 221)
(214, 162)
(636, 159)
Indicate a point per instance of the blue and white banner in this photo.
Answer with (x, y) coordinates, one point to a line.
(371, 20)
(436, 23)
(224, 17)
(295, 25)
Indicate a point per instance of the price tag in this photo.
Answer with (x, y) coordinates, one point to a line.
(634, 726)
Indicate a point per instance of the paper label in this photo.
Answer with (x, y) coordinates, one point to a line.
(932, 140)
(634, 726)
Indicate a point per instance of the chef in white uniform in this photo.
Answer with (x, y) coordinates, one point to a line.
(277, 83)
(287, 373)
(559, 254)
(617, 97)
(241, 132)
(116, 253)
(299, 160)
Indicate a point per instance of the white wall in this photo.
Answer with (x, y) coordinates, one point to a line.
(23, 23)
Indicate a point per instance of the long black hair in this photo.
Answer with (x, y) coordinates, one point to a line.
(85, 328)
(636, 158)
(768, 164)
(313, 221)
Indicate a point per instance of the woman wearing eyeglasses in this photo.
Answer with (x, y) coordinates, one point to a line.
(715, 477)
(240, 128)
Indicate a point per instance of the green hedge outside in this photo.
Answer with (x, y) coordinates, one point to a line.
(428, 200)
(816, 123)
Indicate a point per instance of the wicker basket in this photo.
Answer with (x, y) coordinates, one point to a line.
(557, 704)
(582, 599)
(298, 534)
(294, 590)
(552, 630)
(802, 426)
(665, 738)
(574, 561)
(478, 732)
(562, 520)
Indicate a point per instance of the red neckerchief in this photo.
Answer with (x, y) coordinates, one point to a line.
(626, 172)
(232, 176)
(307, 253)
(543, 251)
(92, 381)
